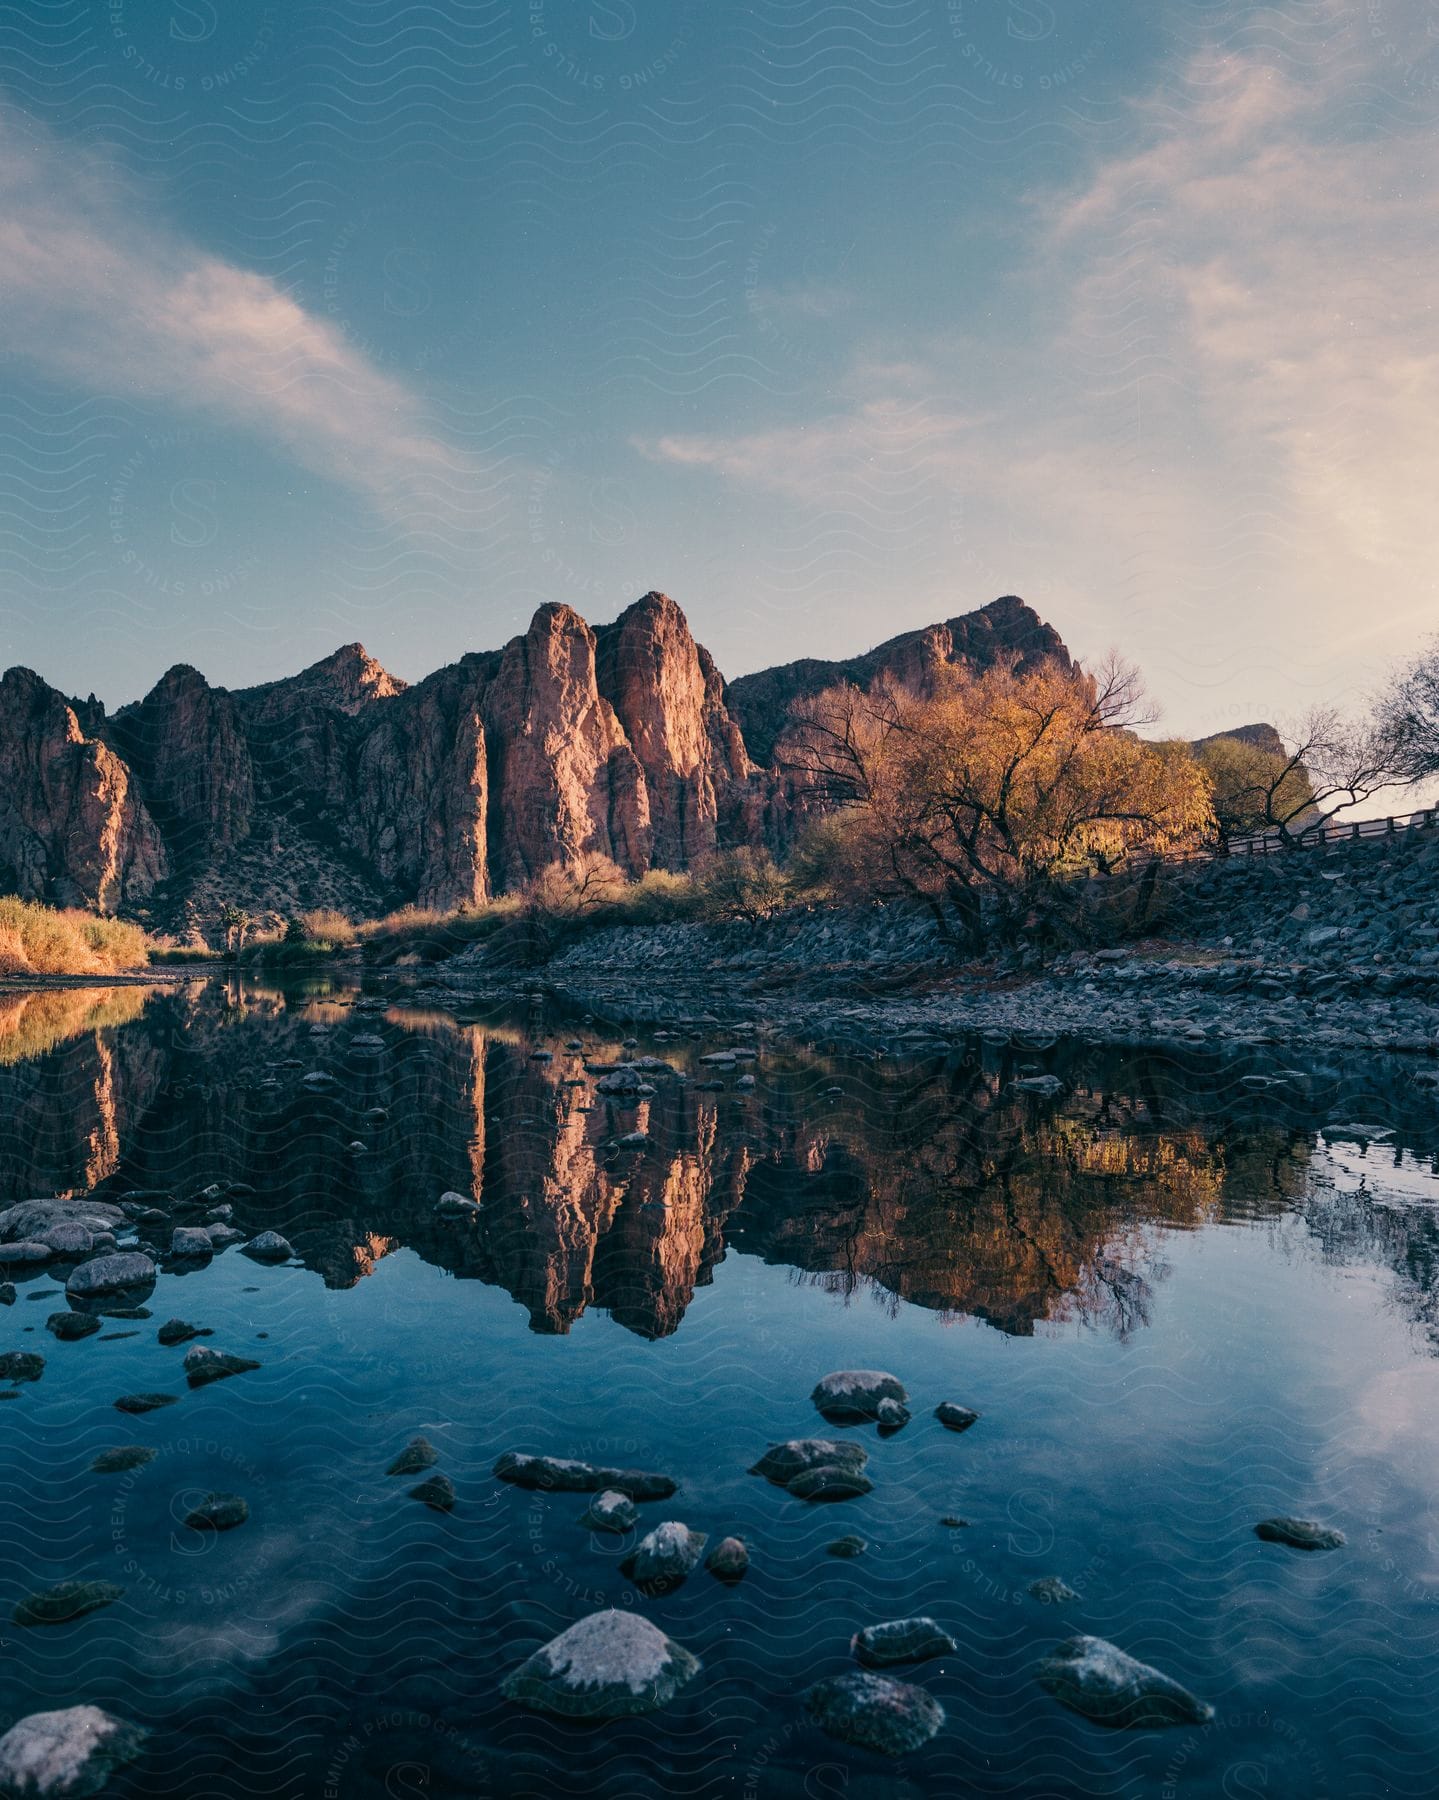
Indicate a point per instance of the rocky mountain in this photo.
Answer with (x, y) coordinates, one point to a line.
(344, 786)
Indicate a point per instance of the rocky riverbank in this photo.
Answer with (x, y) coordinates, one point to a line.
(1335, 947)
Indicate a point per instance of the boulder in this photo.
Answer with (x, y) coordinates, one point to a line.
(65, 1601)
(560, 1474)
(664, 1556)
(69, 1237)
(203, 1366)
(1091, 1676)
(23, 1253)
(69, 1754)
(954, 1417)
(180, 1331)
(21, 1365)
(456, 1206)
(728, 1561)
(417, 1455)
(438, 1493)
(607, 1666)
(851, 1395)
(829, 1482)
(218, 1512)
(900, 1641)
(782, 1462)
(120, 1270)
(610, 1510)
(67, 1326)
(1300, 1534)
(34, 1219)
(875, 1712)
(269, 1247)
(191, 1243)
(892, 1415)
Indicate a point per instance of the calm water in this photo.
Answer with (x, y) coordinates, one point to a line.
(1179, 1303)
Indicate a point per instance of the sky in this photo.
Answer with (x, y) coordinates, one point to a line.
(361, 319)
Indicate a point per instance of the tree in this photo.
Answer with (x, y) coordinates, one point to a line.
(236, 922)
(741, 884)
(973, 799)
(1408, 712)
(1256, 786)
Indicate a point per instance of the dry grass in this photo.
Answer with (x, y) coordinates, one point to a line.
(45, 940)
(324, 925)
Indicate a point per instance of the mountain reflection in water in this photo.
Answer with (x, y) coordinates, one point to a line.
(932, 1181)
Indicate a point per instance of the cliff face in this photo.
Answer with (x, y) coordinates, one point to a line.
(342, 786)
(73, 829)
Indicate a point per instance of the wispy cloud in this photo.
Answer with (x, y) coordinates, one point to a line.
(96, 290)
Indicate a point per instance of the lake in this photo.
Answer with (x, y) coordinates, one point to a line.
(1183, 1294)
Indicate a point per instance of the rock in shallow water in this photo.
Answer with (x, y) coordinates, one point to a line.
(191, 1243)
(65, 1601)
(269, 1246)
(1300, 1534)
(829, 1482)
(218, 1512)
(611, 1510)
(782, 1462)
(1094, 1677)
(122, 1459)
(1052, 1590)
(900, 1641)
(21, 1365)
(849, 1396)
(847, 1546)
(874, 1711)
(67, 1326)
(729, 1560)
(143, 1403)
(203, 1366)
(180, 1331)
(562, 1474)
(110, 1274)
(665, 1556)
(71, 1753)
(954, 1417)
(418, 1454)
(438, 1493)
(607, 1666)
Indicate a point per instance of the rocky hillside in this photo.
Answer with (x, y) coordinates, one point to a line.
(344, 786)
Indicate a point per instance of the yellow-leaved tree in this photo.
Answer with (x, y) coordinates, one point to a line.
(975, 797)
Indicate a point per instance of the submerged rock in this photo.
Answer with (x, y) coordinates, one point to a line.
(110, 1274)
(874, 1711)
(851, 1395)
(901, 1641)
(7, 1293)
(850, 1545)
(438, 1493)
(21, 1365)
(122, 1459)
(1300, 1534)
(143, 1403)
(665, 1556)
(828, 1482)
(269, 1246)
(218, 1512)
(65, 1601)
(418, 1454)
(611, 1510)
(607, 1666)
(1094, 1677)
(67, 1326)
(729, 1559)
(180, 1331)
(71, 1753)
(782, 1462)
(203, 1366)
(954, 1417)
(564, 1475)
(1052, 1590)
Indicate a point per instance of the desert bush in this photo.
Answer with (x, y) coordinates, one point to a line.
(47, 940)
(326, 925)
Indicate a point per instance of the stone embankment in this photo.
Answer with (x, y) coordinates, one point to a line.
(1326, 947)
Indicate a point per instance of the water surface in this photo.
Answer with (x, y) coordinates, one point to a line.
(1185, 1294)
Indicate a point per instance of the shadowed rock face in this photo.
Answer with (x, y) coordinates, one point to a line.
(343, 786)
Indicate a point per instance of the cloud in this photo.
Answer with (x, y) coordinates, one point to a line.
(97, 292)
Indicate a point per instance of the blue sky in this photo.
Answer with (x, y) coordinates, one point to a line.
(367, 320)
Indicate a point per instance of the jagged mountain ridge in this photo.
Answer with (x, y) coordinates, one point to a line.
(346, 786)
